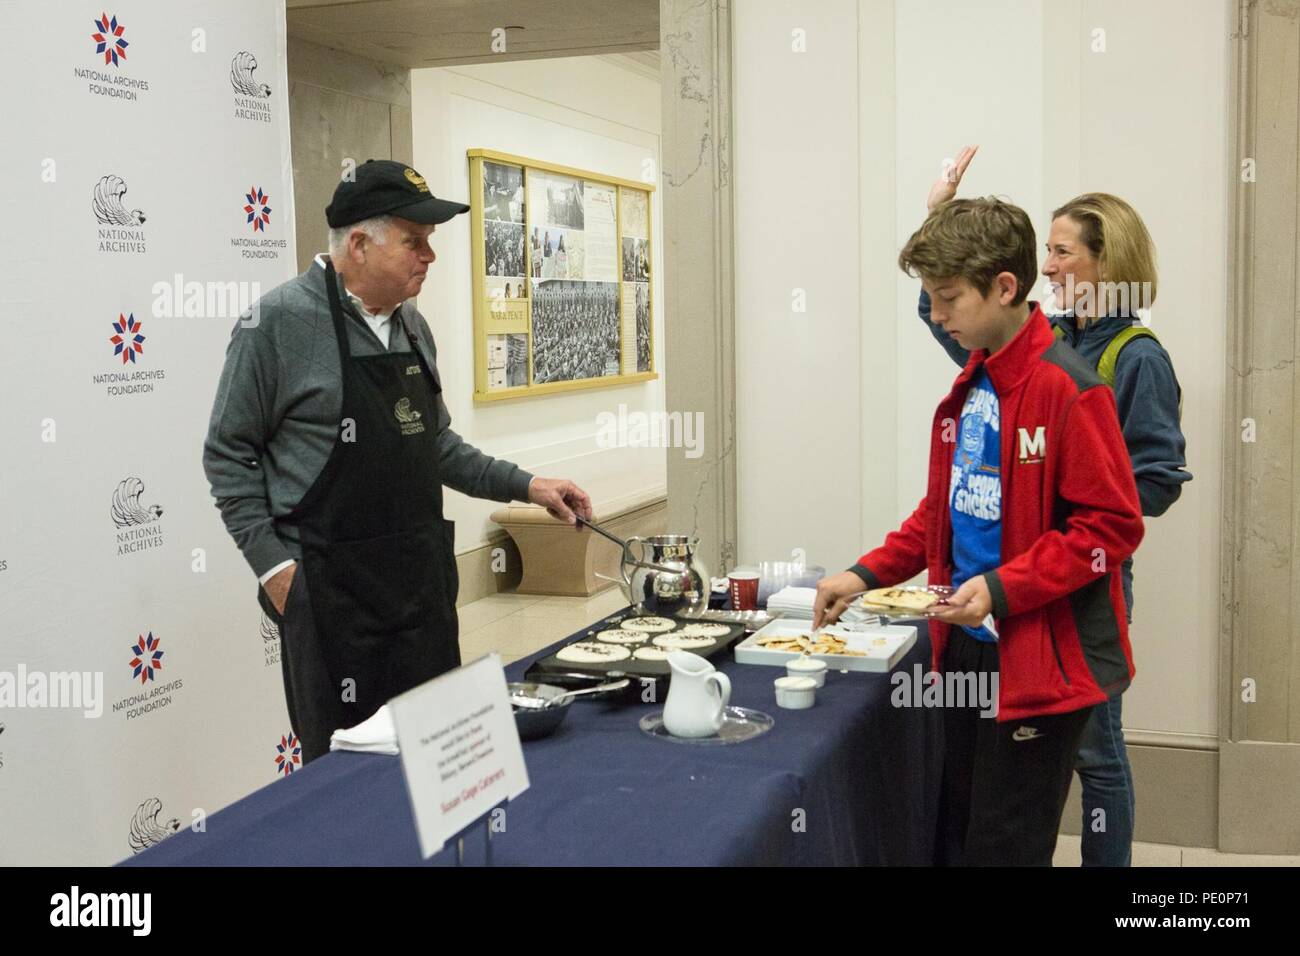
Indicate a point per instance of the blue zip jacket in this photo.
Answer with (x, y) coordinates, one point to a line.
(1146, 396)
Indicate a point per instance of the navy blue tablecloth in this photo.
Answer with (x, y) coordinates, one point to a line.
(854, 780)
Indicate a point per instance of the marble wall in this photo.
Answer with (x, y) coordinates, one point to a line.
(340, 107)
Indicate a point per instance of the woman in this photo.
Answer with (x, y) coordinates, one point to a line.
(1101, 266)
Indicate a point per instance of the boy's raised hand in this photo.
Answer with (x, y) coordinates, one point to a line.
(945, 187)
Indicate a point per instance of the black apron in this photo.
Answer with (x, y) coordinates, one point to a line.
(378, 562)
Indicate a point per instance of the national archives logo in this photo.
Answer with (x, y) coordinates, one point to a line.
(109, 80)
(137, 523)
(119, 228)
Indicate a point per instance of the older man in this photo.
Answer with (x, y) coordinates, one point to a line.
(327, 451)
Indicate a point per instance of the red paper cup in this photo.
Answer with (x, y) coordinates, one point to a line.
(744, 590)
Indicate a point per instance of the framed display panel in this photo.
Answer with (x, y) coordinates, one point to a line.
(563, 284)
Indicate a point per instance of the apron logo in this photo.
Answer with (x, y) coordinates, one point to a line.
(1033, 450)
(407, 417)
(412, 370)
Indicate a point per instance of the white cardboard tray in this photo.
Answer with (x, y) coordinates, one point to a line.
(885, 646)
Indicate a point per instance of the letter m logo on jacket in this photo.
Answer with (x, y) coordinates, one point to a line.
(1032, 449)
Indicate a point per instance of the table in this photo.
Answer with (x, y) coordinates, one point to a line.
(852, 781)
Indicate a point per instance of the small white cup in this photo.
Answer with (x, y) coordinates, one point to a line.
(807, 667)
(795, 693)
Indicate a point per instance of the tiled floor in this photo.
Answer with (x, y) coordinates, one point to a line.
(515, 625)
(1161, 854)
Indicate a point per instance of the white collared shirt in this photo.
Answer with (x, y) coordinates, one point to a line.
(379, 322)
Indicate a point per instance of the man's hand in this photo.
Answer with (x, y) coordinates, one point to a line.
(560, 497)
(945, 187)
(277, 589)
(970, 605)
(833, 595)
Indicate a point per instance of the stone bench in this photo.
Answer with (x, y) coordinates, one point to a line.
(558, 560)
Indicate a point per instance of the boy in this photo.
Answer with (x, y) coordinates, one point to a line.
(1098, 239)
(1030, 510)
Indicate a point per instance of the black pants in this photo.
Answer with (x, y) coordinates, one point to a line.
(314, 715)
(1004, 783)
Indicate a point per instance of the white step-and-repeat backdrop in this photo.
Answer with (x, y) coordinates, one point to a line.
(147, 199)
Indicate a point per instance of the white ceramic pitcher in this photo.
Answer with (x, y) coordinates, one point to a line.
(697, 696)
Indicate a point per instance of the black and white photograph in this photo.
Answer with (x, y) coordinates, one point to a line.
(575, 331)
(503, 248)
(642, 326)
(636, 260)
(503, 192)
(516, 360)
(558, 201)
(507, 360)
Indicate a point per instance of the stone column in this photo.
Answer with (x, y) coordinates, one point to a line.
(1259, 674)
(698, 309)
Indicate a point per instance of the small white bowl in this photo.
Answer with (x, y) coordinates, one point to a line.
(795, 693)
(807, 667)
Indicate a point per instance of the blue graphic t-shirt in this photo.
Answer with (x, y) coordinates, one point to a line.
(975, 491)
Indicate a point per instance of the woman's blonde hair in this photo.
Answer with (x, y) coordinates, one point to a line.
(1126, 257)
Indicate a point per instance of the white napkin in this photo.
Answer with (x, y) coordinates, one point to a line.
(793, 602)
(374, 735)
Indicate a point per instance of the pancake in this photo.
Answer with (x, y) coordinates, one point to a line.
(592, 652)
(704, 630)
(681, 642)
(616, 635)
(648, 625)
(906, 598)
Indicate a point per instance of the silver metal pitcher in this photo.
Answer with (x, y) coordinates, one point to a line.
(668, 578)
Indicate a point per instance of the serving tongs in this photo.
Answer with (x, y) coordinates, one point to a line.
(628, 557)
(525, 702)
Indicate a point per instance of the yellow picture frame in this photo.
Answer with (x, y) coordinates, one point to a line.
(495, 315)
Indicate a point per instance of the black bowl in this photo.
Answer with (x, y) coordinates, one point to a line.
(542, 721)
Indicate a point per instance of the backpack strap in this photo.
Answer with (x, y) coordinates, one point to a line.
(1110, 356)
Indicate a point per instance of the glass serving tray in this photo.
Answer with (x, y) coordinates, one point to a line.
(738, 725)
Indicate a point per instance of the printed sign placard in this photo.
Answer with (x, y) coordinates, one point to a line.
(461, 754)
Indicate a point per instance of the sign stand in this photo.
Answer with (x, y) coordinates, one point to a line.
(486, 821)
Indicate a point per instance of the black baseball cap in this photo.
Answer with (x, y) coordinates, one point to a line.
(383, 187)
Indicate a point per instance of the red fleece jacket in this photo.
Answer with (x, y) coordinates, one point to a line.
(1070, 517)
